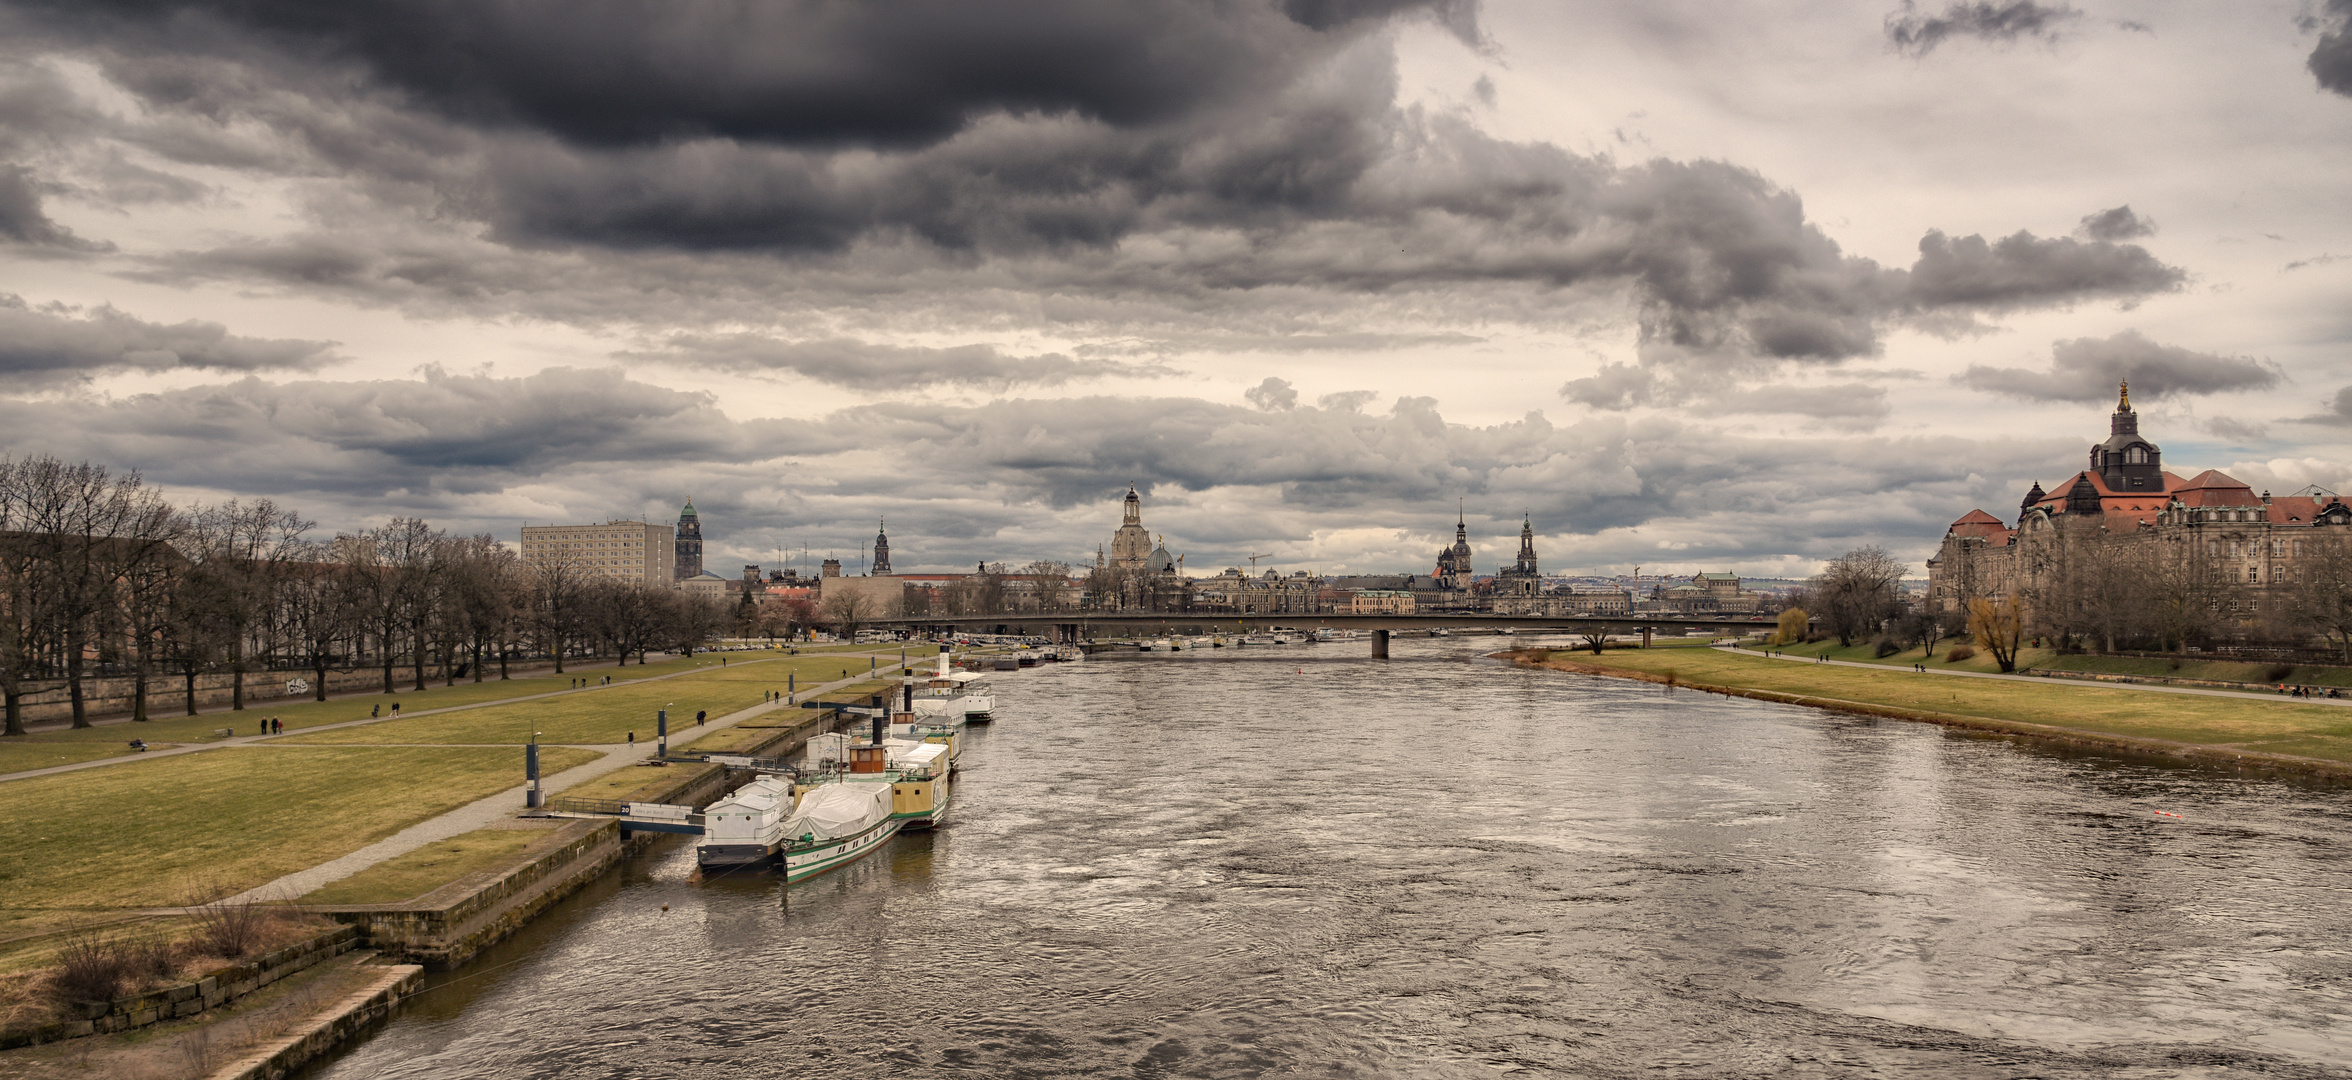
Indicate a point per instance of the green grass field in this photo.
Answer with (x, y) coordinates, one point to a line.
(604, 715)
(151, 833)
(2230, 671)
(2317, 731)
(405, 877)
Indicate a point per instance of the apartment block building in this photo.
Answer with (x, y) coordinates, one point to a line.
(627, 550)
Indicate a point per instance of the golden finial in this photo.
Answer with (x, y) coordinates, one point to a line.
(2125, 404)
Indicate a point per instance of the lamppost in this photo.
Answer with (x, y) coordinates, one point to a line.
(661, 730)
(531, 773)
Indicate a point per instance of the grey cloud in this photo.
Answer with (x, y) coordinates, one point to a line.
(1614, 387)
(799, 73)
(2117, 224)
(1019, 478)
(2236, 430)
(2025, 270)
(23, 221)
(437, 433)
(2331, 58)
(1273, 395)
(2339, 411)
(1314, 184)
(861, 365)
(1347, 401)
(47, 345)
(2088, 369)
(1914, 34)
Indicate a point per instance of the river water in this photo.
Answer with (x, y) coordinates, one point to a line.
(1300, 861)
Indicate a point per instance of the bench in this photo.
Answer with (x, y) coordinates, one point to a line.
(224, 733)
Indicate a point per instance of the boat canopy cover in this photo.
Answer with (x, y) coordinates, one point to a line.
(919, 757)
(838, 810)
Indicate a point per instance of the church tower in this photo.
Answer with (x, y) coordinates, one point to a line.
(2126, 461)
(1453, 563)
(1131, 546)
(689, 562)
(1526, 565)
(881, 550)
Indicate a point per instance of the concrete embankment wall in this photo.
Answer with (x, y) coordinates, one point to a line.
(454, 923)
(281, 1057)
(215, 989)
(449, 925)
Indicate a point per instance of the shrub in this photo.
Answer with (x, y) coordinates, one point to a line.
(1885, 647)
(1959, 653)
(231, 928)
(91, 967)
(2278, 673)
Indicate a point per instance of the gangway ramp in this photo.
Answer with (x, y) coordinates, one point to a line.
(634, 816)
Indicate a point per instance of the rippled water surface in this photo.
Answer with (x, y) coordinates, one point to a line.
(1298, 861)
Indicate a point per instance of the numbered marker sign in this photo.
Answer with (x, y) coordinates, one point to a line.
(298, 686)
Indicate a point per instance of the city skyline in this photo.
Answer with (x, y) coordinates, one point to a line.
(1691, 287)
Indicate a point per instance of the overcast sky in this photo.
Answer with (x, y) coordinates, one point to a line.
(1698, 286)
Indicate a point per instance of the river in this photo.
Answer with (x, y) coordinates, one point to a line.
(1301, 861)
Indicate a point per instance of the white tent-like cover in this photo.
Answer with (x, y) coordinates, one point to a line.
(834, 811)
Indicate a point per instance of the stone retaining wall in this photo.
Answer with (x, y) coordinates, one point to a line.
(187, 999)
(447, 926)
(280, 1058)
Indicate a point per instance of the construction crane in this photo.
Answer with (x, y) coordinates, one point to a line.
(1254, 561)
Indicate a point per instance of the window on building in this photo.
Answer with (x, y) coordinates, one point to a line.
(2253, 575)
(2137, 455)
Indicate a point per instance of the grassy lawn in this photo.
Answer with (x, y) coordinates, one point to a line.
(2318, 731)
(46, 748)
(636, 785)
(149, 833)
(428, 868)
(2233, 671)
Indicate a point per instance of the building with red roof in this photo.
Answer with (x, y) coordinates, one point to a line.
(2124, 522)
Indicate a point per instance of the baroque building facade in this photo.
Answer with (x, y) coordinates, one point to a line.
(2123, 531)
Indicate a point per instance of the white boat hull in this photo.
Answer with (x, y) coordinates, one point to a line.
(800, 864)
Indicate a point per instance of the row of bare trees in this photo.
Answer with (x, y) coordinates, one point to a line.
(2082, 586)
(101, 576)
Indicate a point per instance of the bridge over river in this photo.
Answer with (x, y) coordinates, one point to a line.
(1075, 627)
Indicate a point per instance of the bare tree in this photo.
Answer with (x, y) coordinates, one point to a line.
(242, 554)
(1856, 592)
(557, 584)
(2323, 599)
(325, 610)
(1052, 583)
(847, 610)
(2184, 589)
(90, 530)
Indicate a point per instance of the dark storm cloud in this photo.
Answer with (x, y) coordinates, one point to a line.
(1150, 184)
(1914, 34)
(2339, 411)
(2117, 224)
(798, 72)
(861, 365)
(47, 345)
(2331, 59)
(2089, 369)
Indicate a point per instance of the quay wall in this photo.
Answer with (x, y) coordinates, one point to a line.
(338, 1024)
(216, 988)
(449, 925)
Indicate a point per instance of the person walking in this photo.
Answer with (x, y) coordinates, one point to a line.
(632, 738)
(375, 710)
(395, 708)
(698, 715)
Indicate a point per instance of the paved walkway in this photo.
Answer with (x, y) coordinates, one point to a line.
(2045, 680)
(483, 813)
(249, 740)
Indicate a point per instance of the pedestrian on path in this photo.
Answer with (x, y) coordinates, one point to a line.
(395, 708)
(632, 738)
(277, 726)
(375, 710)
(698, 715)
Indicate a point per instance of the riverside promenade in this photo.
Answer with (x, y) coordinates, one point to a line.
(486, 812)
